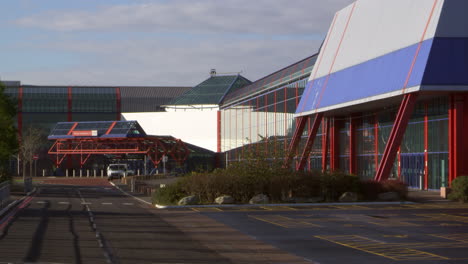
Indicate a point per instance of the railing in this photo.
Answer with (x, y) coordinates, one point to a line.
(4, 193)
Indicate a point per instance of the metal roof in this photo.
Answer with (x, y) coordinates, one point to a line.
(148, 99)
(291, 73)
(104, 129)
(211, 91)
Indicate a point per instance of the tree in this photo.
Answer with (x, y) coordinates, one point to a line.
(8, 132)
(30, 144)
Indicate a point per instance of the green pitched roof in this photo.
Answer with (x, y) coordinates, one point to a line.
(211, 91)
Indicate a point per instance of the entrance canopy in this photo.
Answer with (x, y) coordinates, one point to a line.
(84, 139)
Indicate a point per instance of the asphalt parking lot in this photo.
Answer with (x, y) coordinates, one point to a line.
(420, 233)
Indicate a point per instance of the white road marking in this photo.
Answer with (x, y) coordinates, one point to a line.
(127, 203)
(85, 203)
(106, 203)
(64, 203)
(41, 202)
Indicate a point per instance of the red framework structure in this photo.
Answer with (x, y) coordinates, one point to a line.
(396, 135)
(155, 147)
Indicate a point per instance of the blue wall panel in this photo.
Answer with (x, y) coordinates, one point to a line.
(381, 75)
(448, 62)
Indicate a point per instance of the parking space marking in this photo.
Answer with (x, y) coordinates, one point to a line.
(284, 221)
(460, 237)
(446, 217)
(394, 251)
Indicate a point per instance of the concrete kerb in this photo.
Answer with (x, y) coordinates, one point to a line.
(275, 205)
(15, 202)
(126, 193)
(257, 205)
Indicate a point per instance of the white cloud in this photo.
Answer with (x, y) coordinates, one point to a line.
(184, 40)
(279, 17)
(165, 62)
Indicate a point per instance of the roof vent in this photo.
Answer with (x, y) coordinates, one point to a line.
(213, 72)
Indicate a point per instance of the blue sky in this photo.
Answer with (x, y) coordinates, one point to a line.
(159, 42)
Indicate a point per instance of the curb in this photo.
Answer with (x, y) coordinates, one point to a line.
(272, 205)
(15, 202)
(139, 199)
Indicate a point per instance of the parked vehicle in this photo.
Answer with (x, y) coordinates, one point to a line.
(117, 171)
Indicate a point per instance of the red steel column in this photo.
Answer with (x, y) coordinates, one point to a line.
(376, 141)
(300, 125)
(396, 136)
(310, 140)
(458, 118)
(352, 145)
(325, 136)
(335, 143)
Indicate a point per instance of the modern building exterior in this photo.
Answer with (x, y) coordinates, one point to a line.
(194, 116)
(263, 110)
(386, 97)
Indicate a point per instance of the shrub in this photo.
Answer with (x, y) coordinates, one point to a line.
(335, 184)
(170, 194)
(459, 189)
(370, 189)
(395, 186)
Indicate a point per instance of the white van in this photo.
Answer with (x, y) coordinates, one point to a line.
(117, 171)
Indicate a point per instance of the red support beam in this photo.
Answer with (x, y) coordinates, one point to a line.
(300, 125)
(376, 141)
(352, 144)
(458, 123)
(396, 136)
(335, 127)
(325, 136)
(310, 141)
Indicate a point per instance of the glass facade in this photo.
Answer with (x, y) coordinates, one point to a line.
(270, 116)
(258, 120)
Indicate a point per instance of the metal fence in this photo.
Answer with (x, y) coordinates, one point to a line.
(4, 193)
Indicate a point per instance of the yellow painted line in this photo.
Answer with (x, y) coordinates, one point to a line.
(206, 209)
(394, 251)
(267, 221)
(283, 221)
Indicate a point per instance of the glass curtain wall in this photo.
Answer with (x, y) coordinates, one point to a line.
(265, 119)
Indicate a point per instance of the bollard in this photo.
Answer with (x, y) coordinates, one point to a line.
(138, 172)
(43, 173)
(66, 173)
(102, 173)
(87, 173)
(81, 173)
(73, 173)
(94, 173)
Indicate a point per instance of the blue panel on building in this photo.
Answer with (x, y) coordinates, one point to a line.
(448, 62)
(381, 75)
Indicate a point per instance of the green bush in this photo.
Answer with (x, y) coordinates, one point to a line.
(170, 194)
(333, 185)
(459, 189)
